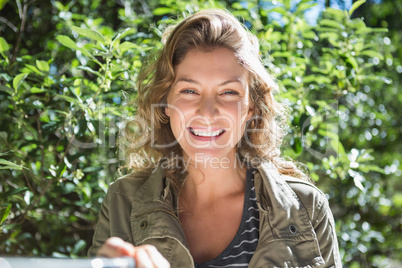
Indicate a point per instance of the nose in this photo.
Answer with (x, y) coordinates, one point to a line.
(208, 106)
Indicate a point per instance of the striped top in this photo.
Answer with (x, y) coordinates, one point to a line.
(242, 247)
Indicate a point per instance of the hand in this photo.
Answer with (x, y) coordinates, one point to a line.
(146, 256)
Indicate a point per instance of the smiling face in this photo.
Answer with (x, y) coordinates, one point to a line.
(209, 104)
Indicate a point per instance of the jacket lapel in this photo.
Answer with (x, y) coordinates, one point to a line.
(154, 221)
(287, 216)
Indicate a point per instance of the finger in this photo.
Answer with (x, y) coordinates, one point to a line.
(124, 247)
(156, 257)
(116, 247)
(108, 251)
(127, 249)
(142, 258)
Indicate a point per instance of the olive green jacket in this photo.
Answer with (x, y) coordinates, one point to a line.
(296, 225)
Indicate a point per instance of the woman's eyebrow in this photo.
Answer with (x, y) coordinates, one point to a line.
(187, 80)
(192, 81)
(235, 80)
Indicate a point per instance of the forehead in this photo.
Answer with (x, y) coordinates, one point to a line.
(216, 64)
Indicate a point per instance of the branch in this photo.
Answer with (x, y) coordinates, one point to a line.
(19, 8)
(23, 16)
(27, 181)
(9, 24)
(40, 145)
(145, 7)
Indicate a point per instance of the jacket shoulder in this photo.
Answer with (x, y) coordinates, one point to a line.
(321, 218)
(302, 186)
(130, 183)
(309, 195)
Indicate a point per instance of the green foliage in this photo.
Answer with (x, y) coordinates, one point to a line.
(68, 83)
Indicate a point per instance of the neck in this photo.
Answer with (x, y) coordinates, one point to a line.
(208, 181)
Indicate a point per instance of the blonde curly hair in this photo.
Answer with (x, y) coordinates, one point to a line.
(206, 30)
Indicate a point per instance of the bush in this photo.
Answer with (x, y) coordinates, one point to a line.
(68, 77)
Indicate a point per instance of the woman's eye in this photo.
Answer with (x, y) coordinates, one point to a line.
(230, 92)
(188, 91)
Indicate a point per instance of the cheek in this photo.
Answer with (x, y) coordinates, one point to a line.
(179, 106)
(238, 109)
(177, 121)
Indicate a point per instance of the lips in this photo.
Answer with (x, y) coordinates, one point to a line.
(206, 133)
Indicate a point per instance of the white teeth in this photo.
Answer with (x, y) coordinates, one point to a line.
(204, 133)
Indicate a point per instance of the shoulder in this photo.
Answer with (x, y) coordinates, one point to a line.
(303, 187)
(321, 219)
(312, 198)
(130, 183)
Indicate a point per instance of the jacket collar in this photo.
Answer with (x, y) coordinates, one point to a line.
(275, 198)
(155, 188)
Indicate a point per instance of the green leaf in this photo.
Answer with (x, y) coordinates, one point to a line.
(30, 68)
(297, 146)
(379, 30)
(327, 30)
(123, 47)
(91, 169)
(35, 90)
(67, 98)
(79, 246)
(13, 192)
(3, 3)
(42, 65)
(279, 10)
(162, 11)
(6, 89)
(358, 24)
(337, 146)
(104, 54)
(397, 199)
(309, 35)
(237, 6)
(10, 226)
(18, 80)
(123, 34)
(314, 176)
(331, 23)
(304, 6)
(85, 68)
(77, 91)
(367, 168)
(316, 78)
(59, 6)
(355, 6)
(352, 61)
(4, 46)
(5, 76)
(337, 13)
(89, 33)
(9, 165)
(59, 255)
(68, 42)
(325, 131)
(365, 156)
(5, 214)
(61, 169)
(372, 54)
(284, 54)
(273, 35)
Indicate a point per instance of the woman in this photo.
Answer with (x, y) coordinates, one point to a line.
(220, 195)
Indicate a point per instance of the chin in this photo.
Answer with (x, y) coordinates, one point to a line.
(213, 155)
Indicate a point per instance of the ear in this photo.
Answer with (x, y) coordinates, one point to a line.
(250, 112)
(167, 111)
